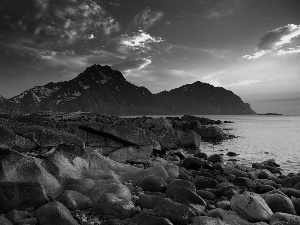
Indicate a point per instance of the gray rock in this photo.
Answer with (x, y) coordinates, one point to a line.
(190, 139)
(74, 200)
(173, 186)
(131, 153)
(284, 219)
(153, 184)
(4, 221)
(175, 212)
(15, 216)
(149, 201)
(148, 219)
(252, 206)
(202, 182)
(54, 213)
(279, 203)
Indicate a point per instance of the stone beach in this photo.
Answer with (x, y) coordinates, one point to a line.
(92, 169)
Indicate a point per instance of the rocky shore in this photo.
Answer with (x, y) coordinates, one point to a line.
(91, 169)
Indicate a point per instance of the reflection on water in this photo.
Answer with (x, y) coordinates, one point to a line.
(261, 138)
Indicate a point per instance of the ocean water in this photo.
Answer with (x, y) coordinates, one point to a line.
(260, 138)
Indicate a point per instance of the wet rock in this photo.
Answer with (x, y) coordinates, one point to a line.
(202, 182)
(265, 174)
(74, 200)
(174, 158)
(195, 163)
(296, 203)
(21, 195)
(153, 184)
(149, 201)
(175, 212)
(148, 219)
(173, 186)
(201, 155)
(291, 192)
(224, 205)
(179, 152)
(279, 203)
(54, 213)
(210, 132)
(216, 158)
(284, 219)
(261, 189)
(251, 206)
(238, 173)
(231, 154)
(206, 220)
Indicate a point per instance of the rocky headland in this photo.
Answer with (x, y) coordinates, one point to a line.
(100, 89)
(85, 168)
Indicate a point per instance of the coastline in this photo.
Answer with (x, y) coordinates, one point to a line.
(129, 169)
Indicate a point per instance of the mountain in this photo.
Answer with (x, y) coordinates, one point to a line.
(2, 99)
(100, 89)
(200, 99)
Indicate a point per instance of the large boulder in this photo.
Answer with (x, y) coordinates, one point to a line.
(190, 139)
(202, 182)
(131, 153)
(279, 203)
(210, 132)
(17, 167)
(148, 219)
(149, 201)
(4, 221)
(54, 213)
(174, 186)
(82, 186)
(21, 195)
(153, 184)
(9, 140)
(252, 206)
(177, 213)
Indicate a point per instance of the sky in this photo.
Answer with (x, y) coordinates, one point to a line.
(251, 47)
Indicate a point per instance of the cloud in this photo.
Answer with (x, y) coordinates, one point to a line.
(276, 41)
(243, 83)
(140, 41)
(147, 18)
(136, 64)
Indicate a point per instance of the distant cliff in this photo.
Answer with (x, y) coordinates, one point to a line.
(201, 98)
(100, 89)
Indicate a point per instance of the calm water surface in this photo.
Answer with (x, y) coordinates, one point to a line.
(261, 138)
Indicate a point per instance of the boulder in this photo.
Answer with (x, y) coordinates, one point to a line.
(54, 213)
(15, 216)
(175, 212)
(291, 192)
(244, 182)
(131, 153)
(279, 203)
(190, 139)
(74, 200)
(202, 182)
(284, 219)
(82, 186)
(215, 158)
(206, 194)
(149, 201)
(153, 184)
(21, 195)
(206, 220)
(231, 170)
(173, 186)
(252, 206)
(296, 203)
(195, 163)
(210, 132)
(111, 205)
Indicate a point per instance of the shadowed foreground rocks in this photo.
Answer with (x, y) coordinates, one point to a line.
(93, 169)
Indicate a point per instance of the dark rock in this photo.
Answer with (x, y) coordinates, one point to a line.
(153, 184)
(202, 182)
(4, 221)
(244, 182)
(173, 187)
(291, 192)
(200, 155)
(178, 153)
(195, 163)
(82, 186)
(54, 213)
(15, 216)
(216, 158)
(232, 154)
(149, 201)
(206, 195)
(261, 189)
(175, 212)
(188, 197)
(21, 195)
(190, 139)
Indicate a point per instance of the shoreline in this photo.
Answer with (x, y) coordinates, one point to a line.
(100, 169)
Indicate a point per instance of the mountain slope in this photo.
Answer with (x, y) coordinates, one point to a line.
(100, 89)
(201, 98)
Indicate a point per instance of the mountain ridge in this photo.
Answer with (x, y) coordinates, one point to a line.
(100, 89)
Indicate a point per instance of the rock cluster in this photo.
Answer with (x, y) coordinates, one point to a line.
(95, 169)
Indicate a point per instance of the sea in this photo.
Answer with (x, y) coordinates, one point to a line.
(259, 138)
